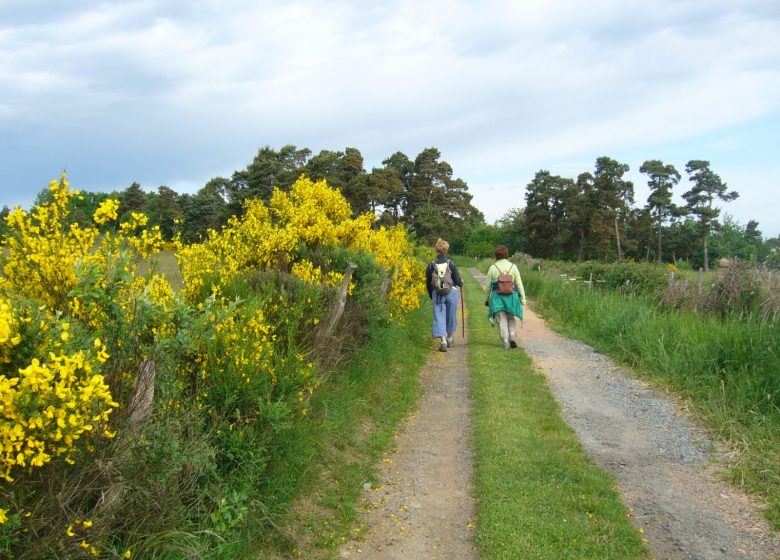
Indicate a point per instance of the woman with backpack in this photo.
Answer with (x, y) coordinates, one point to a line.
(443, 280)
(505, 296)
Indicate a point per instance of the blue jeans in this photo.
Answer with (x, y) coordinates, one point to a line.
(445, 313)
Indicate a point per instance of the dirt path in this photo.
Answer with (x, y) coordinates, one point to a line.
(659, 458)
(423, 508)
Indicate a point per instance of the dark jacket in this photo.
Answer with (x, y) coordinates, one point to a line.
(456, 279)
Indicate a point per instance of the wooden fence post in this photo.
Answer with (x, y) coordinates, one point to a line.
(338, 307)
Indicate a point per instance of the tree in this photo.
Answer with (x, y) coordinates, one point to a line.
(132, 199)
(614, 194)
(205, 210)
(268, 170)
(589, 221)
(385, 187)
(325, 165)
(662, 179)
(428, 181)
(682, 240)
(707, 188)
(169, 211)
(481, 241)
(730, 239)
(355, 187)
(435, 200)
(547, 217)
(511, 227)
(404, 167)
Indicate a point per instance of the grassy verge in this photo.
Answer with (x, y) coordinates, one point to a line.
(728, 369)
(539, 496)
(325, 459)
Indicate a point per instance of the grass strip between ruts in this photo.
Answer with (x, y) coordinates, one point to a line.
(538, 494)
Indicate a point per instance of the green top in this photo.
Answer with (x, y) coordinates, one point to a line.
(504, 266)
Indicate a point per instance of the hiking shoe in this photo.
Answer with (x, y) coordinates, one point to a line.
(443, 347)
(512, 344)
(506, 345)
(450, 340)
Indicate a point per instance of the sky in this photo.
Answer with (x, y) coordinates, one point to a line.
(175, 93)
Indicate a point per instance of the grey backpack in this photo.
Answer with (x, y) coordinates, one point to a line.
(441, 278)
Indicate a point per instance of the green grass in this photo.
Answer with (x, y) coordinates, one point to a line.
(164, 263)
(728, 369)
(539, 496)
(316, 482)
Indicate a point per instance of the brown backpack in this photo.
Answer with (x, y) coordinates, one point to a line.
(506, 283)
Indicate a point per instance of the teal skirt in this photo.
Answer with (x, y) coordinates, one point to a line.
(509, 303)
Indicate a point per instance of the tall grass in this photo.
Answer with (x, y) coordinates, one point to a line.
(728, 368)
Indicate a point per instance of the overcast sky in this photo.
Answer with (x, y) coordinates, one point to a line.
(177, 92)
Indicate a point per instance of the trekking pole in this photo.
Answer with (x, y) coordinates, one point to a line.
(462, 313)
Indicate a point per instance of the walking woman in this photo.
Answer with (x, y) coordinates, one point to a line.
(505, 308)
(443, 280)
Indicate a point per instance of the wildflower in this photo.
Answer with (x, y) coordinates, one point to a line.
(3, 515)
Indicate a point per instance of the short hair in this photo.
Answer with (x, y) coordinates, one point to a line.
(442, 246)
(502, 252)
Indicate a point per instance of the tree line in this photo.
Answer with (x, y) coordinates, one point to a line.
(591, 217)
(594, 217)
(422, 193)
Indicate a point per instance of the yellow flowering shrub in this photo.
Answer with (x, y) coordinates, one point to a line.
(49, 403)
(311, 214)
(42, 252)
(308, 272)
(107, 211)
(9, 335)
(77, 319)
(48, 407)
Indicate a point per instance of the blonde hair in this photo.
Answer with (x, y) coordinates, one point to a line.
(442, 246)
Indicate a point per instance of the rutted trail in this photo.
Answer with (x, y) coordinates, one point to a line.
(657, 455)
(423, 507)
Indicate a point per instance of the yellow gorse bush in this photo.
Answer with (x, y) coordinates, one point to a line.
(48, 404)
(9, 336)
(42, 252)
(313, 214)
(48, 408)
(63, 285)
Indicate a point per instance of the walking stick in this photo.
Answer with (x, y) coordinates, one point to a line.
(462, 314)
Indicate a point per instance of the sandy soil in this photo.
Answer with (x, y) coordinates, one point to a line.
(423, 507)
